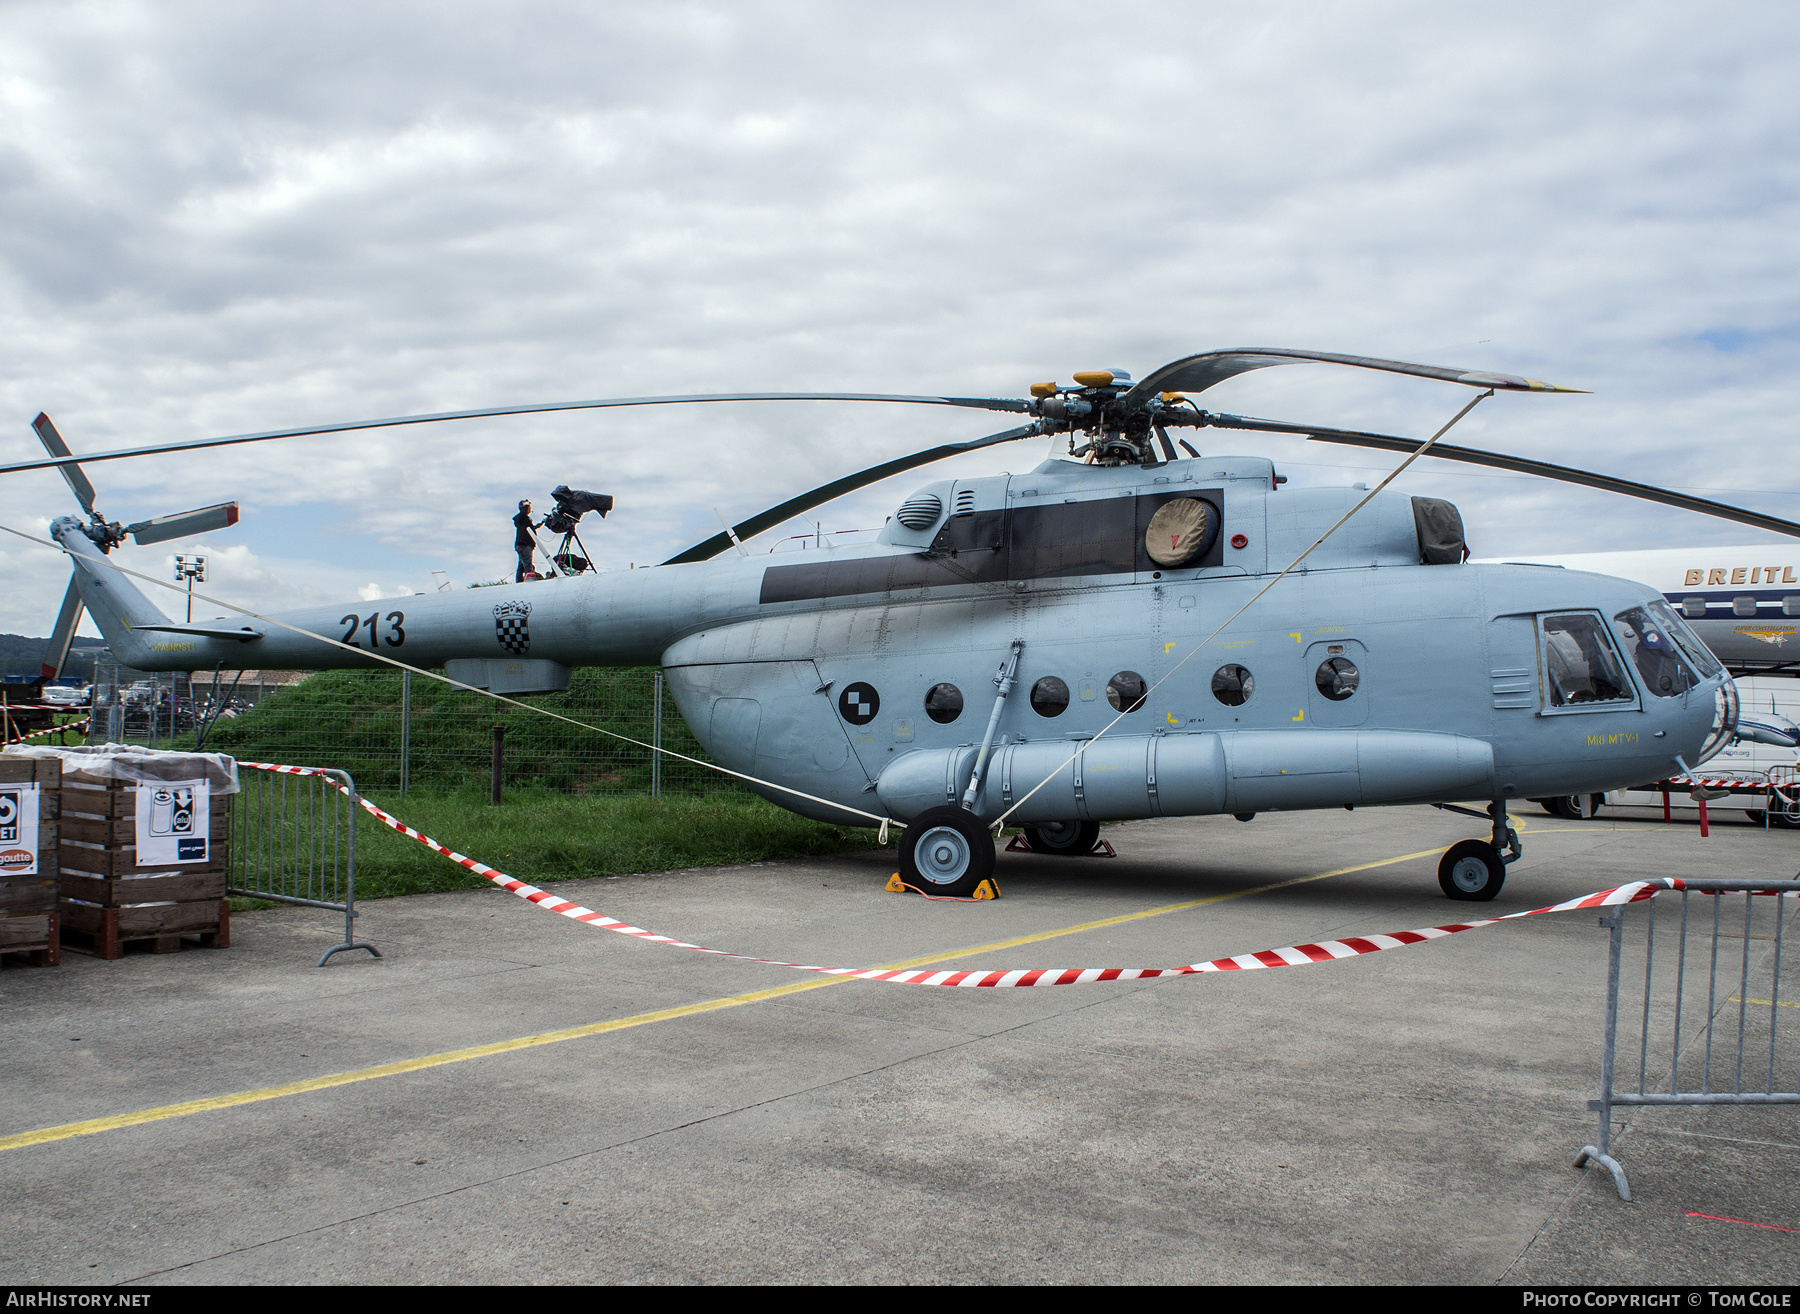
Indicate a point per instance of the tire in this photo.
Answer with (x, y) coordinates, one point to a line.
(946, 851)
(1471, 871)
(1063, 839)
(1568, 807)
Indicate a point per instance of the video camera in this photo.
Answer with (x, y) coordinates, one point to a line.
(571, 505)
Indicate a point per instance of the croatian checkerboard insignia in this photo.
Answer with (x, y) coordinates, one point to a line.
(512, 627)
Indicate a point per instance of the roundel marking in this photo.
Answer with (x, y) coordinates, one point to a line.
(859, 703)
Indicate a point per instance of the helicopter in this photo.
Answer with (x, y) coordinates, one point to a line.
(1050, 649)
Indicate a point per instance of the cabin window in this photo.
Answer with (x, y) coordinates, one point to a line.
(1125, 691)
(1336, 678)
(1649, 648)
(943, 703)
(1580, 666)
(1233, 685)
(1743, 605)
(1049, 696)
(1695, 607)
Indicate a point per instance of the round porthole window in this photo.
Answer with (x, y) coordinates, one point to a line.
(1337, 678)
(1049, 696)
(1125, 691)
(1233, 685)
(943, 703)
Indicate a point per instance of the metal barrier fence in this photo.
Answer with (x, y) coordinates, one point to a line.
(293, 840)
(1680, 1057)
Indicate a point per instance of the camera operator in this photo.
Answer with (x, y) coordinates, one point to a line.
(523, 542)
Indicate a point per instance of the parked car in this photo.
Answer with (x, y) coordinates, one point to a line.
(65, 695)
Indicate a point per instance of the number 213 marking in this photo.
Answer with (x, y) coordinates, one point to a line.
(395, 637)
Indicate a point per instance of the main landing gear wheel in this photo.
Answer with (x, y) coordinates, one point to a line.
(1063, 839)
(1568, 807)
(946, 850)
(1472, 871)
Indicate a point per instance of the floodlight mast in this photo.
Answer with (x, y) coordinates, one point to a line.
(190, 568)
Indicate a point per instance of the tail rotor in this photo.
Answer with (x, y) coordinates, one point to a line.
(108, 535)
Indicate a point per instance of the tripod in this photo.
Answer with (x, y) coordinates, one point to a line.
(564, 562)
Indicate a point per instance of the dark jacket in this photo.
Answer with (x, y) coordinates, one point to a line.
(522, 539)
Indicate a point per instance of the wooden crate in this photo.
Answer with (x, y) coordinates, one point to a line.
(30, 918)
(108, 900)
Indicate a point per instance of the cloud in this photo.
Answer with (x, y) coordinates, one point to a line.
(226, 219)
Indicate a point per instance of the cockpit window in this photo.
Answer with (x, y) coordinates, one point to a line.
(1647, 644)
(1697, 653)
(1579, 663)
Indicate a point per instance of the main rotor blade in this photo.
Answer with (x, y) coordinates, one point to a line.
(1198, 373)
(64, 460)
(1474, 456)
(57, 654)
(53, 443)
(184, 524)
(838, 487)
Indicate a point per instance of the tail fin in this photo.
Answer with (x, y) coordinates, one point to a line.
(116, 604)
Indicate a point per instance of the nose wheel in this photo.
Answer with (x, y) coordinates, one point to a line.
(946, 851)
(1472, 870)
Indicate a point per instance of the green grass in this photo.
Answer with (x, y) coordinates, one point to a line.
(540, 835)
(351, 720)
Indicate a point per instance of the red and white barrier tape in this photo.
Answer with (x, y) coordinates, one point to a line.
(1294, 955)
(53, 730)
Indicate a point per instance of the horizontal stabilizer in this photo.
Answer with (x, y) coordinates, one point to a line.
(244, 635)
(184, 524)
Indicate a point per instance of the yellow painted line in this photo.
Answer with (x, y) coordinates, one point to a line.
(1783, 1002)
(93, 1126)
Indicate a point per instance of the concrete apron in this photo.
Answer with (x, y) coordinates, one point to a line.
(1409, 1116)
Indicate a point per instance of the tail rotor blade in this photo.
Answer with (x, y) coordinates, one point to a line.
(184, 524)
(64, 634)
(53, 443)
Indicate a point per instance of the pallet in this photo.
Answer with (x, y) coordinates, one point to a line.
(30, 920)
(104, 932)
(38, 938)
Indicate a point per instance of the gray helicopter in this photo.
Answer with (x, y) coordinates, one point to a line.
(1044, 649)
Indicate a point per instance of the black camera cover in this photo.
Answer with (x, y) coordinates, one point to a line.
(577, 502)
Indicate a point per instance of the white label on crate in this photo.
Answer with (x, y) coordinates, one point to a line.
(173, 821)
(18, 830)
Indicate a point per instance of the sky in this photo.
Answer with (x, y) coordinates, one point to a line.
(223, 218)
